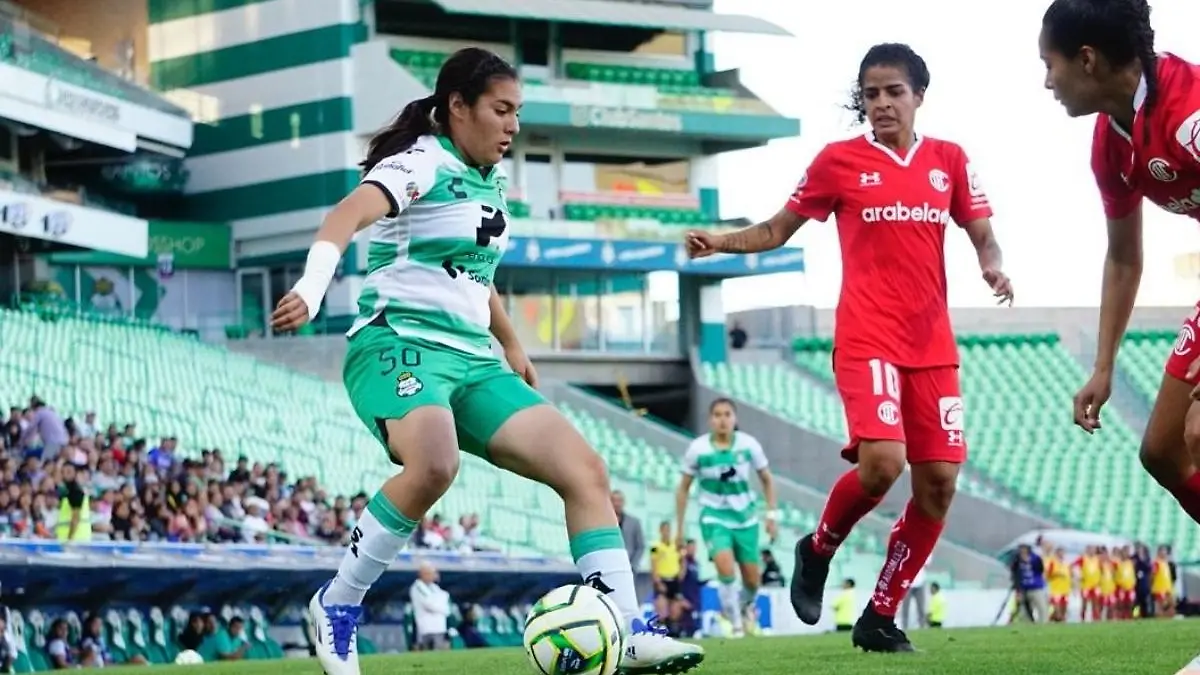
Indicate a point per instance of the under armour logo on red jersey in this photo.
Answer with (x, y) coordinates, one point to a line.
(867, 179)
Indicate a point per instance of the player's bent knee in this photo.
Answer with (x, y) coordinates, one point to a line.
(584, 475)
(1161, 462)
(880, 464)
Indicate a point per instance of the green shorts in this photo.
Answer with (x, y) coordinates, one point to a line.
(387, 376)
(743, 541)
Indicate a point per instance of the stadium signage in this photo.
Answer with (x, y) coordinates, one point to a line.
(36, 217)
(182, 245)
(624, 118)
(55, 105)
(76, 102)
(641, 256)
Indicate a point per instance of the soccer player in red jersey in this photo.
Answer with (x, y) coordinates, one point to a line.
(893, 193)
(1100, 58)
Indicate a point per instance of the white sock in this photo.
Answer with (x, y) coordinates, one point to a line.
(378, 538)
(729, 593)
(604, 565)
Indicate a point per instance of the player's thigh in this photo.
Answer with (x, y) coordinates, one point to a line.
(1164, 447)
(387, 377)
(745, 545)
(504, 420)
(486, 399)
(933, 416)
(871, 390)
(718, 543)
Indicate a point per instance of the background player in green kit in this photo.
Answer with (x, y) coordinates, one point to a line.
(723, 461)
(420, 370)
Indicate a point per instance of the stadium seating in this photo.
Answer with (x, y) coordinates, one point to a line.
(211, 398)
(678, 88)
(1017, 392)
(666, 216)
(131, 632)
(1142, 356)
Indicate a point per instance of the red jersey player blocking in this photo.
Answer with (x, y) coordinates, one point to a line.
(1100, 57)
(895, 360)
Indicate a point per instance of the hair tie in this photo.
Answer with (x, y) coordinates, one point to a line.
(433, 123)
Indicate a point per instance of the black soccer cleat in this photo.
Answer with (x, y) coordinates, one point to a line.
(808, 581)
(875, 632)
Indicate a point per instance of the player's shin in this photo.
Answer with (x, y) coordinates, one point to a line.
(603, 563)
(848, 503)
(909, 547)
(728, 593)
(378, 537)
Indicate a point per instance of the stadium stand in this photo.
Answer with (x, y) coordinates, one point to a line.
(172, 385)
(1015, 389)
(1141, 357)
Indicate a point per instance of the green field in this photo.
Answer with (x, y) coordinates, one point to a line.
(1151, 647)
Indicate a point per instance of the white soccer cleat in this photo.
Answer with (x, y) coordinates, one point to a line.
(335, 629)
(648, 651)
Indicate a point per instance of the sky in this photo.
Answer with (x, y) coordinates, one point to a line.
(985, 94)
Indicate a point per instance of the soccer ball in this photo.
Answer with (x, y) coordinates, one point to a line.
(574, 630)
(188, 657)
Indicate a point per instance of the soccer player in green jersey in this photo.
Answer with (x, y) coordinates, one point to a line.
(420, 370)
(722, 462)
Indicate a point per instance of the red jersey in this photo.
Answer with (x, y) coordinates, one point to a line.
(1164, 167)
(892, 214)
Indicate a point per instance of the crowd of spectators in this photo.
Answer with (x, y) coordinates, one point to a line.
(77, 480)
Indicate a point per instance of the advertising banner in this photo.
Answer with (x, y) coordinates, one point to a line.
(643, 256)
(172, 245)
(24, 215)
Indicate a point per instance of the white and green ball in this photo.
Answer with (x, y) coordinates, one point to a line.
(574, 630)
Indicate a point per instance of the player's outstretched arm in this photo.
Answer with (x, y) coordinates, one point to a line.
(502, 328)
(991, 259)
(1122, 276)
(765, 236)
(681, 503)
(362, 207)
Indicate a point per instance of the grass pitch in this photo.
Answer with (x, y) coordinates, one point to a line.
(1129, 648)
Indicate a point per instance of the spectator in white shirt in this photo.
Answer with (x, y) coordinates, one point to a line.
(87, 428)
(254, 526)
(431, 609)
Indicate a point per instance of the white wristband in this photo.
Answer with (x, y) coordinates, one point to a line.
(323, 259)
(773, 514)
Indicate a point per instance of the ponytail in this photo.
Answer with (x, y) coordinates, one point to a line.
(468, 73)
(414, 121)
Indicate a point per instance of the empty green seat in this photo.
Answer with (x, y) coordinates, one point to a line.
(1017, 392)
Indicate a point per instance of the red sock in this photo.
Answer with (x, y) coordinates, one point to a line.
(846, 505)
(912, 540)
(1188, 496)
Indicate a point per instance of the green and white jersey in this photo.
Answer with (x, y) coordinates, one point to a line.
(723, 476)
(431, 260)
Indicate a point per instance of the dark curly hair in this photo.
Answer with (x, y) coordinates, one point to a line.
(891, 54)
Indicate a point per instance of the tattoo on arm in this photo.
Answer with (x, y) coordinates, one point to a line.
(751, 239)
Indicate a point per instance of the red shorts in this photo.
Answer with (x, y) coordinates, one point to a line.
(1185, 350)
(1059, 601)
(1165, 597)
(920, 407)
(1126, 597)
(1092, 594)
